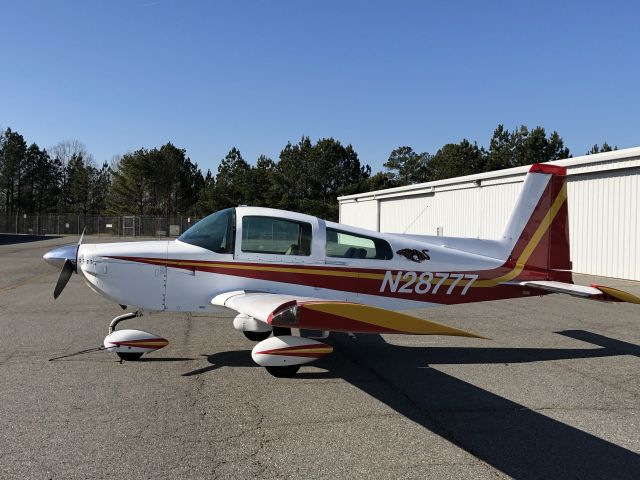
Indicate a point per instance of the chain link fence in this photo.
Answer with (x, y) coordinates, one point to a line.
(116, 226)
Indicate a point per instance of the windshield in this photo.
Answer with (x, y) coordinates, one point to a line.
(215, 232)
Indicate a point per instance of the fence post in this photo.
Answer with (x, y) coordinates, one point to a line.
(38, 224)
(58, 223)
(16, 223)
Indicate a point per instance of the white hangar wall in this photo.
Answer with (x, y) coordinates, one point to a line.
(604, 209)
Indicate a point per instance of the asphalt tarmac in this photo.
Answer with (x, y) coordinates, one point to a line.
(553, 394)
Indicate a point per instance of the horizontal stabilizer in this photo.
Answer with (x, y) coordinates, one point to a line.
(594, 292)
(561, 287)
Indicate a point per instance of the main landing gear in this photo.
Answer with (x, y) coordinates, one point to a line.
(260, 336)
(257, 336)
(283, 354)
(278, 366)
(285, 371)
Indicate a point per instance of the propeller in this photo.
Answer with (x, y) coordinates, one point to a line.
(66, 256)
(65, 274)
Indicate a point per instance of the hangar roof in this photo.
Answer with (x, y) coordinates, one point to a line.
(615, 160)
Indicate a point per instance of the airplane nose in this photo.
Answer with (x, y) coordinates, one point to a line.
(57, 256)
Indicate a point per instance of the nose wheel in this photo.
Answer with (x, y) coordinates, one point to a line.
(129, 357)
(130, 345)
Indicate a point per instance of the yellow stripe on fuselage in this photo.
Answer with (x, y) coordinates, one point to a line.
(304, 271)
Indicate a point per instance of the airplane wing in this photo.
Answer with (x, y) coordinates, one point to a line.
(594, 292)
(338, 316)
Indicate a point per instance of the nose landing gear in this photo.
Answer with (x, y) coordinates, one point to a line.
(129, 344)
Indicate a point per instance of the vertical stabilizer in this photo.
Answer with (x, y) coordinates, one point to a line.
(538, 230)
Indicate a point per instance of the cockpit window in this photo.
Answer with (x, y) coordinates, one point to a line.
(215, 232)
(276, 235)
(350, 245)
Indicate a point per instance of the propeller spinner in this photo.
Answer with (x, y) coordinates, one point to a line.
(67, 258)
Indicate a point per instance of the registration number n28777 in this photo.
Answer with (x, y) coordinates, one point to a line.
(427, 282)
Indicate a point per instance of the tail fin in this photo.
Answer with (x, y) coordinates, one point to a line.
(538, 230)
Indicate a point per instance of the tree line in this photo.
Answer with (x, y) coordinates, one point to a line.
(507, 149)
(307, 177)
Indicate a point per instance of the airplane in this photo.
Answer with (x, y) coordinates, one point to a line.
(280, 270)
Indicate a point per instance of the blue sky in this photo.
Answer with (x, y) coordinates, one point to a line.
(210, 75)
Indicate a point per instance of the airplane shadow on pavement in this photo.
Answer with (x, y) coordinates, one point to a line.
(231, 358)
(510, 437)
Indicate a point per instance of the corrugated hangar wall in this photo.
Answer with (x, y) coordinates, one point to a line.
(604, 209)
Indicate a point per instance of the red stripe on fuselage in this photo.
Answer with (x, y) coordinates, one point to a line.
(300, 351)
(354, 283)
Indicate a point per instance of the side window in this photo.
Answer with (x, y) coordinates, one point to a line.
(350, 245)
(275, 235)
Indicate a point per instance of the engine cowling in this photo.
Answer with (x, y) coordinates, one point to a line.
(288, 350)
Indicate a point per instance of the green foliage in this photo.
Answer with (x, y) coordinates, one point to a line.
(523, 147)
(233, 181)
(456, 159)
(309, 178)
(160, 181)
(12, 166)
(407, 166)
(605, 148)
(501, 152)
(206, 197)
(130, 184)
(506, 149)
(41, 187)
(380, 181)
(262, 187)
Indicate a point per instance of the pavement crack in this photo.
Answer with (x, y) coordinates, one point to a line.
(258, 433)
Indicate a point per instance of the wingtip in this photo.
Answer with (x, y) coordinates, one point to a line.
(464, 333)
(616, 295)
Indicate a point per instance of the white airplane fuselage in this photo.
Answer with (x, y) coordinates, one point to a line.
(182, 277)
(405, 271)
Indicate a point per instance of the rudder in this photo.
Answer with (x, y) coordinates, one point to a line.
(538, 229)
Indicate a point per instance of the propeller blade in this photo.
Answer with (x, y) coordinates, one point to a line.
(63, 279)
(81, 236)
